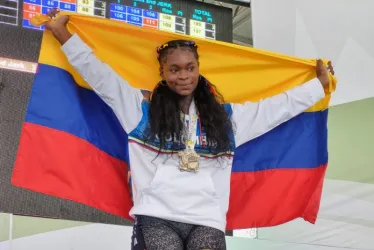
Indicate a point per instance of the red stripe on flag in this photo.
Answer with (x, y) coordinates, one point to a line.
(59, 164)
(272, 197)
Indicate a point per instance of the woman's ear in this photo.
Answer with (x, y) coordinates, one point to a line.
(161, 69)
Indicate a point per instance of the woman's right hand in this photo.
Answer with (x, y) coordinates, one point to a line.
(57, 25)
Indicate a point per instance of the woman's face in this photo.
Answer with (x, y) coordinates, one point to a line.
(181, 71)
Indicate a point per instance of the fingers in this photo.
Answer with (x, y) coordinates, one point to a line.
(321, 67)
(53, 13)
(330, 68)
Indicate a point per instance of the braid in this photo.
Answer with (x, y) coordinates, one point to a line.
(164, 50)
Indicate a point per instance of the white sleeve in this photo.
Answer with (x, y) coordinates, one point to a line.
(124, 100)
(252, 119)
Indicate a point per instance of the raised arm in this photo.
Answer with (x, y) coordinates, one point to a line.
(124, 100)
(253, 119)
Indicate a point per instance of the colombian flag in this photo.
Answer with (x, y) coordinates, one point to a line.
(73, 147)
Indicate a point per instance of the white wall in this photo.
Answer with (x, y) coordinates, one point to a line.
(343, 32)
(339, 30)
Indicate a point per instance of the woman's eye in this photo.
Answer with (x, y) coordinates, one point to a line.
(191, 69)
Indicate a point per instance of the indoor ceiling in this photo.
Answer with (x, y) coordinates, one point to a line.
(242, 22)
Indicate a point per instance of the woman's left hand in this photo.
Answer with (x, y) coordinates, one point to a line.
(323, 72)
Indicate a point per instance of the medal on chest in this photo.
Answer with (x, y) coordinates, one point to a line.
(189, 160)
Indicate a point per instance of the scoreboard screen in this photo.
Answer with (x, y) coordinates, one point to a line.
(19, 40)
(186, 17)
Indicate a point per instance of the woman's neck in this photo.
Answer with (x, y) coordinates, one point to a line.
(184, 104)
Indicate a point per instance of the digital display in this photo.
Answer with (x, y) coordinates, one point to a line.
(9, 12)
(166, 16)
(88, 7)
(20, 40)
(184, 17)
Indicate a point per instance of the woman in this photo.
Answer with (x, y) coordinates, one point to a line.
(182, 139)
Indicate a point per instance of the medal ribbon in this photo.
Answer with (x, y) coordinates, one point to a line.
(190, 122)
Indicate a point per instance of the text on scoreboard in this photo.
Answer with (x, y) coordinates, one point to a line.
(188, 17)
(162, 15)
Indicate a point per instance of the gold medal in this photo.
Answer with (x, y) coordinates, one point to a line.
(189, 160)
